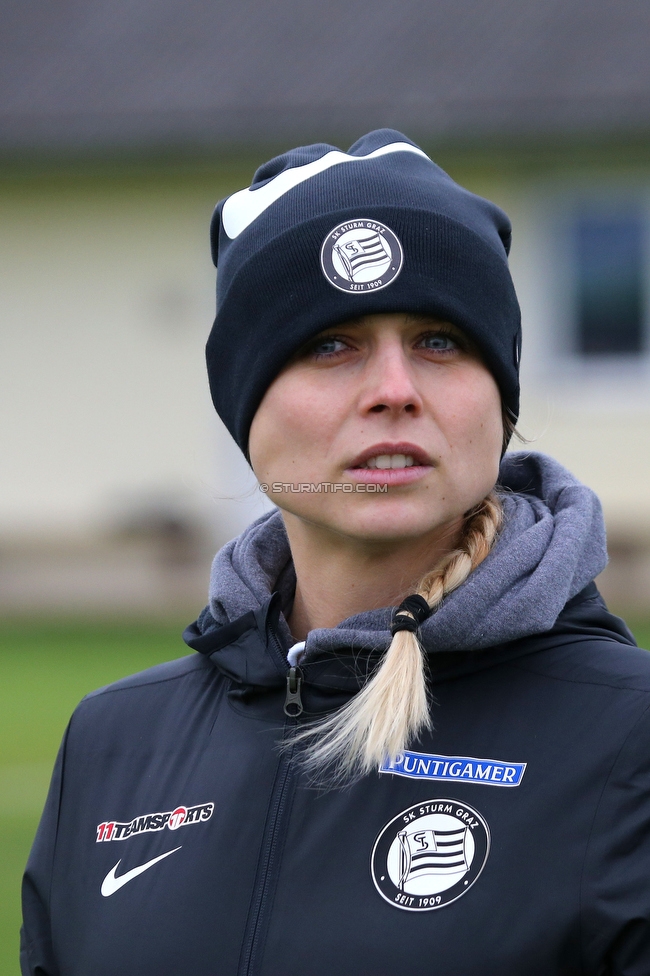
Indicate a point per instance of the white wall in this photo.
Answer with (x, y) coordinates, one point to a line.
(107, 299)
(594, 418)
(106, 303)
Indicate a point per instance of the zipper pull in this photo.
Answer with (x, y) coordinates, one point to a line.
(293, 702)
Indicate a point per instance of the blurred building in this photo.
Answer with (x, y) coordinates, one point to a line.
(122, 124)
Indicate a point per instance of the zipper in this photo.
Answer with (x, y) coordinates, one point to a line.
(274, 833)
(293, 701)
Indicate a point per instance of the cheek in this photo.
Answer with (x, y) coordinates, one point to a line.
(485, 417)
(474, 427)
(291, 425)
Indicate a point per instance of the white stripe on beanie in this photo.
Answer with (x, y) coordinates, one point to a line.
(245, 206)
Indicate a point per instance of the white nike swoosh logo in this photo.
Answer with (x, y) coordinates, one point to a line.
(245, 206)
(111, 884)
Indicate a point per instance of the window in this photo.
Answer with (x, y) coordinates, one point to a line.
(610, 301)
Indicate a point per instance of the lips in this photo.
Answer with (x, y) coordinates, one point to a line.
(413, 456)
(390, 463)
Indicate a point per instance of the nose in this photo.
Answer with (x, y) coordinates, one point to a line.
(389, 382)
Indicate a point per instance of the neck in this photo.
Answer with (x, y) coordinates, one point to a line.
(338, 576)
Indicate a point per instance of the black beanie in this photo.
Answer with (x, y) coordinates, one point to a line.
(322, 236)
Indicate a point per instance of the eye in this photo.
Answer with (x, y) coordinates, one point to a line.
(328, 346)
(438, 342)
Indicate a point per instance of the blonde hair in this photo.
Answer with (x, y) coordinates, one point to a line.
(392, 708)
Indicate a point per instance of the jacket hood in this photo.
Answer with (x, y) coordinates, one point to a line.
(551, 547)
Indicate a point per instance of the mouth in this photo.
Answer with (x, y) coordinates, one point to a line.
(387, 456)
(386, 461)
(390, 463)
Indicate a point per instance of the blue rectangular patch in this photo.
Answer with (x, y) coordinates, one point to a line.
(465, 769)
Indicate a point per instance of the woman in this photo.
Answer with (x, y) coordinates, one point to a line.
(413, 738)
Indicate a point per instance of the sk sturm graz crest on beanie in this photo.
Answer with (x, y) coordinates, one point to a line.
(322, 236)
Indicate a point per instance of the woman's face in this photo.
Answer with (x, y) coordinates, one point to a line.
(401, 408)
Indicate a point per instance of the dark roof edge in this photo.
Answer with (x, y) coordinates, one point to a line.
(240, 128)
(500, 153)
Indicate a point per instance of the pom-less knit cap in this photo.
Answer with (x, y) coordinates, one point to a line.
(322, 236)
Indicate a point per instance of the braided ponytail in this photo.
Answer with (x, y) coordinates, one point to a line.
(393, 707)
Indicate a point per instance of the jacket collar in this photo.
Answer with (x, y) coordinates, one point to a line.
(250, 653)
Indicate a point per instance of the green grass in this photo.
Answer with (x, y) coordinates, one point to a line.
(44, 671)
(641, 631)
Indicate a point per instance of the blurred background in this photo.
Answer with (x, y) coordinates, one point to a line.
(121, 125)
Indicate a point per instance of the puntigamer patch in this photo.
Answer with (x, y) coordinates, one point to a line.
(489, 772)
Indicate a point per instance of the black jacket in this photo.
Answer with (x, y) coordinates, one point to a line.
(514, 840)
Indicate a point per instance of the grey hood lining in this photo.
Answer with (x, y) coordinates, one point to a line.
(551, 546)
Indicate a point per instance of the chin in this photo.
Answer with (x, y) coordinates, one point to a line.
(392, 523)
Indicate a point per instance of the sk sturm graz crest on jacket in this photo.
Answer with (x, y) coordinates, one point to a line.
(513, 839)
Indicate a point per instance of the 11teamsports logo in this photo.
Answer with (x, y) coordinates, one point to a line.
(172, 819)
(361, 255)
(430, 854)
